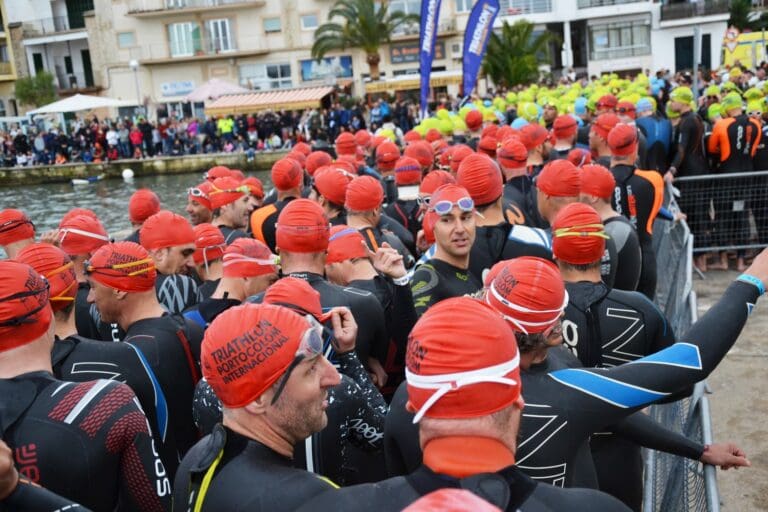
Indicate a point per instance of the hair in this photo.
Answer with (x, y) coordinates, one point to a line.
(482, 207)
(580, 267)
(530, 342)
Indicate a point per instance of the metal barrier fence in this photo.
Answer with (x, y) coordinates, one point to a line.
(673, 483)
(726, 211)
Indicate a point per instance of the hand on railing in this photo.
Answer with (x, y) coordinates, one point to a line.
(725, 455)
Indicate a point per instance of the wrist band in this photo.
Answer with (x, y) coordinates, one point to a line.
(401, 281)
(746, 278)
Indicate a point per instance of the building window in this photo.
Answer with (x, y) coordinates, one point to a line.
(463, 5)
(2, 108)
(407, 7)
(184, 39)
(220, 36)
(126, 40)
(272, 25)
(616, 40)
(175, 4)
(266, 76)
(309, 22)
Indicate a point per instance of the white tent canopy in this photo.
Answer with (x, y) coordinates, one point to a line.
(212, 89)
(80, 102)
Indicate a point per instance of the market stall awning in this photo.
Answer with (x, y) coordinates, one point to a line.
(408, 82)
(280, 99)
(213, 89)
(80, 102)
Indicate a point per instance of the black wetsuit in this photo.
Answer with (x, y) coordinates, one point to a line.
(437, 280)
(232, 234)
(628, 259)
(76, 359)
(33, 498)
(89, 442)
(522, 192)
(565, 404)
(264, 220)
(503, 242)
(605, 328)
(521, 494)
(372, 338)
(407, 213)
(176, 292)
(387, 232)
(400, 317)
(247, 476)
(133, 237)
(639, 200)
(349, 449)
(171, 347)
(206, 289)
(206, 311)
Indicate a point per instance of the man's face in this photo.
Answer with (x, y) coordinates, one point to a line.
(542, 201)
(549, 114)
(105, 300)
(197, 212)
(253, 203)
(338, 273)
(238, 212)
(455, 232)
(300, 408)
(175, 260)
(258, 284)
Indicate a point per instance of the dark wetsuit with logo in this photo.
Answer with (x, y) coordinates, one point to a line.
(88, 442)
(520, 494)
(628, 256)
(521, 191)
(33, 498)
(232, 234)
(565, 404)
(170, 345)
(606, 328)
(503, 242)
(349, 449)
(264, 220)
(176, 292)
(437, 280)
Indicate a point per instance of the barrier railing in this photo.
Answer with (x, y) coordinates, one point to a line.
(726, 211)
(673, 483)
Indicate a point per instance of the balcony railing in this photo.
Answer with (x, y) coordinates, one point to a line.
(690, 10)
(619, 52)
(147, 6)
(6, 68)
(47, 26)
(200, 48)
(522, 7)
(69, 81)
(586, 4)
(443, 27)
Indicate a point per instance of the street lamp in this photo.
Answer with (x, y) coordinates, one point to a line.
(134, 65)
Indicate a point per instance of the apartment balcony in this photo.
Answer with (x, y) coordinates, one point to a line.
(50, 26)
(524, 7)
(694, 9)
(586, 4)
(410, 32)
(75, 82)
(6, 70)
(196, 50)
(161, 8)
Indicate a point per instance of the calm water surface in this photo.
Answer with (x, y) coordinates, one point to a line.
(47, 204)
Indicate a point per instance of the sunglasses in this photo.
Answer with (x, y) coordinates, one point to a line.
(465, 204)
(311, 346)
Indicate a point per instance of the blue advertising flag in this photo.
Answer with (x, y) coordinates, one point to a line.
(430, 12)
(476, 36)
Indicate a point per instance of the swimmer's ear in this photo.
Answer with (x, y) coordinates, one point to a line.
(261, 403)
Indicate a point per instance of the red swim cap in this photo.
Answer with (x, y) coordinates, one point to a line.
(604, 124)
(218, 171)
(247, 348)
(422, 152)
(364, 193)
(143, 204)
(200, 194)
(474, 120)
(449, 378)
(286, 174)
(597, 181)
(532, 135)
(435, 179)
(387, 155)
(209, 243)
(294, 293)
(607, 101)
(302, 227)
(81, 235)
(578, 235)
(459, 153)
(247, 257)
(407, 171)
(303, 147)
(512, 154)
(559, 178)
(564, 126)
(124, 266)
(529, 293)
(488, 145)
(56, 267)
(317, 159)
(24, 311)
(345, 144)
(411, 136)
(363, 138)
(255, 186)
(432, 135)
(15, 226)
(332, 182)
(225, 191)
(345, 243)
(481, 177)
(579, 157)
(166, 229)
(622, 140)
(76, 212)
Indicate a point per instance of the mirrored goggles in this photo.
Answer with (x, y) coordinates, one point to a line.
(465, 204)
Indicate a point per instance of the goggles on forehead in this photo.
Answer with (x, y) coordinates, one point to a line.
(25, 318)
(62, 297)
(579, 231)
(444, 384)
(89, 269)
(524, 325)
(13, 224)
(311, 346)
(65, 231)
(196, 192)
(465, 204)
(242, 189)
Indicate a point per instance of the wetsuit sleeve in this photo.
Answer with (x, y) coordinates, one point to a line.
(144, 482)
(350, 366)
(686, 131)
(425, 288)
(404, 317)
(613, 393)
(32, 498)
(665, 214)
(645, 431)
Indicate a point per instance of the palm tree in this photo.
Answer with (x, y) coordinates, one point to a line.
(743, 18)
(513, 56)
(366, 25)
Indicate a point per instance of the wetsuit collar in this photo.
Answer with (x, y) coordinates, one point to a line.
(584, 294)
(306, 276)
(462, 456)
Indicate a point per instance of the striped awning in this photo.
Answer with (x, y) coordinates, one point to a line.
(278, 99)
